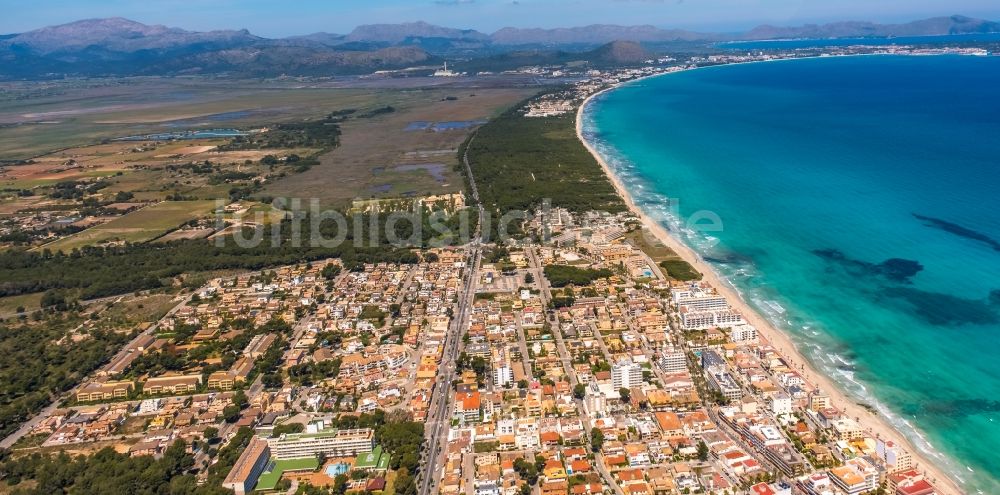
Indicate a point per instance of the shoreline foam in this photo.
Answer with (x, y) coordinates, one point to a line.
(872, 423)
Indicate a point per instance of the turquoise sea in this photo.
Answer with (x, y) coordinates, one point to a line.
(860, 207)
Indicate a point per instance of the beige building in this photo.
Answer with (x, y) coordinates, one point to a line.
(95, 391)
(171, 384)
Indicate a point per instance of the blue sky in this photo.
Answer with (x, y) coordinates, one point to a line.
(282, 18)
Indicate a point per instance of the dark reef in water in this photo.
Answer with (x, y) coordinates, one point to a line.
(995, 297)
(959, 408)
(935, 308)
(945, 309)
(895, 269)
(954, 228)
(729, 258)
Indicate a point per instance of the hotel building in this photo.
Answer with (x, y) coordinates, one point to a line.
(322, 441)
(698, 299)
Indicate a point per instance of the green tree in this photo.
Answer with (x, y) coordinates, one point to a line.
(330, 271)
(596, 439)
(702, 451)
(231, 413)
(240, 399)
(211, 433)
(405, 483)
(340, 484)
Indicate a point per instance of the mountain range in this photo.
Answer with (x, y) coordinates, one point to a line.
(121, 47)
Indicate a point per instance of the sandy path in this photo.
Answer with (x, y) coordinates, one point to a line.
(874, 424)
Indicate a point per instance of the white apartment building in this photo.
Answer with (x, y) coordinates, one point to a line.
(626, 374)
(503, 376)
(243, 476)
(728, 318)
(781, 405)
(698, 299)
(856, 476)
(150, 406)
(725, 384)
(326, 441)
(673, 361)
(699, 320)
(595, 402)
(744, 333)
(896, 458)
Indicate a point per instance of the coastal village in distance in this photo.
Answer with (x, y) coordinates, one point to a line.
(590, 363)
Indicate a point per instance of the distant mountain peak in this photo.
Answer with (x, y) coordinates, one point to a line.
(934, 26)
(396, 33)
(120, 47)
(120, 35)
(621, 52)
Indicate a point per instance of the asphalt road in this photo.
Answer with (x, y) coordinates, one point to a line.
(438, 420)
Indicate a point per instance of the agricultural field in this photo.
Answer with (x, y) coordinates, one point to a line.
(139, 226)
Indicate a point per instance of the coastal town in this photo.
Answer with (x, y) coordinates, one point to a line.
(590, 362)
(590, 352)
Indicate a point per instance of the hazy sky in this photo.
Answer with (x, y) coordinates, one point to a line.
(287, 17)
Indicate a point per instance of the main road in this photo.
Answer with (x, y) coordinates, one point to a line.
(438, 422)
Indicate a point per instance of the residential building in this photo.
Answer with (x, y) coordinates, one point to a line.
(626, 374)
(744, 333)
(895, 457)
(317, 440)
(781, 405)
(503, 376)
(856, 476)
(171, 384)
(467, 407)
(819, 401)
(698, 299)
(909, 482)
(725, 384)
(95, 391)
(243, 476)
(673, 361)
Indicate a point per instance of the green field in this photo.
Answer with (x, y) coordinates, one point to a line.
(139, 226)
(32, 183)
(10, 304)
